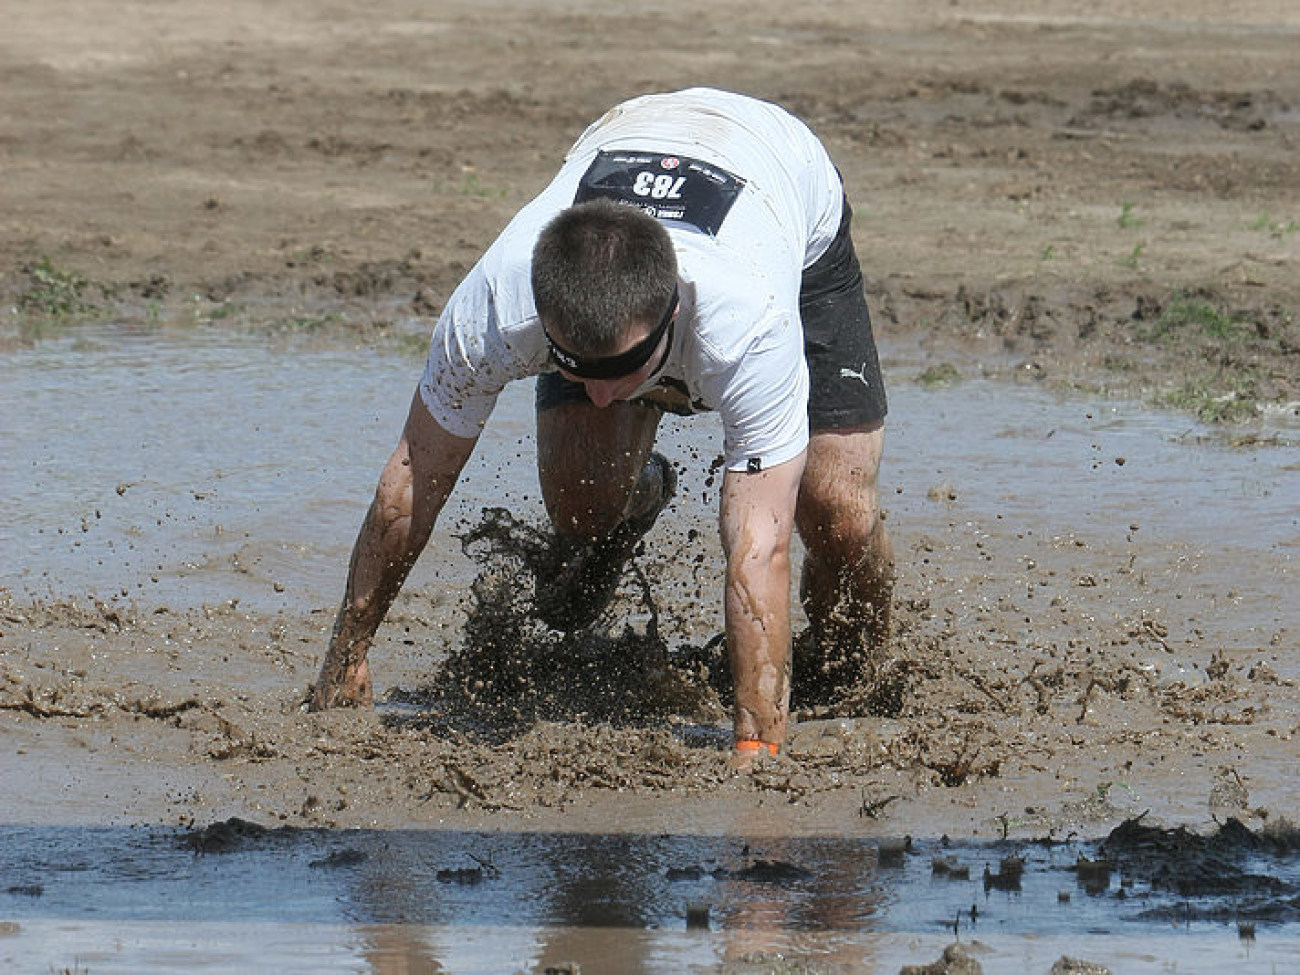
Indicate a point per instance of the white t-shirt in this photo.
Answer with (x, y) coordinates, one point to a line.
(738, 342)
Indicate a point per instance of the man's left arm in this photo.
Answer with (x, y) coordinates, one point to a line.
(757, 522)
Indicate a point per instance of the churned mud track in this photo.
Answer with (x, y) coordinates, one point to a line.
(1109, 702)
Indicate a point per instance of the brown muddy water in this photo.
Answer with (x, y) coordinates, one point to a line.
(180, 468)
(186, 468)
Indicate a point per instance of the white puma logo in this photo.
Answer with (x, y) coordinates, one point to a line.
(859, 375)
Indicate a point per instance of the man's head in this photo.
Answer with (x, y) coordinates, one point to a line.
(604, 281)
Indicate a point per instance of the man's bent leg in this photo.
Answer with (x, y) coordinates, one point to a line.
(588, 460)
(603, 489)
(848, 573)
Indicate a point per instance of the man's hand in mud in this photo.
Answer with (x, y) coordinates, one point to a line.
(346, 686)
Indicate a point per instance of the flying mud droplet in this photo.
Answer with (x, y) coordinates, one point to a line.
(510, 670)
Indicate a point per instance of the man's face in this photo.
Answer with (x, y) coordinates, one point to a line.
(619, 374)
(602, 392)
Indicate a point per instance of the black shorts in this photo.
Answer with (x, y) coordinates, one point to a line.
(845, 385)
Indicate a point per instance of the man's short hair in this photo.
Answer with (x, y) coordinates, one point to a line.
(598, 268)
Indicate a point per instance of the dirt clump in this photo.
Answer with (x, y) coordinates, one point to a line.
(1212, 865)
(956, 960)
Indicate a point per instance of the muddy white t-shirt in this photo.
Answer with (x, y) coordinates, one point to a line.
(749, 197)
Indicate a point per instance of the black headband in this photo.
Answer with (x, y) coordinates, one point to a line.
(614, 366)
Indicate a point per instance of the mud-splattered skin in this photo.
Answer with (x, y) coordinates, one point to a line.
(757, 521)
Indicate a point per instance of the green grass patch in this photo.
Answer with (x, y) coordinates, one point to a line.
(1209, 400)
(470, 185)
(1127, 219)
(54, 293)
(1274, 228)
(944, 374)
(1133, 258)
(1188, 316)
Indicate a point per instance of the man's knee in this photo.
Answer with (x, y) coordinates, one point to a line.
(839, 495)
(588, 462)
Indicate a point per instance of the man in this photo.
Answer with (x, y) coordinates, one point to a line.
(693, 253)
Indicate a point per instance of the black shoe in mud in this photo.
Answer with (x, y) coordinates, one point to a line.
(586, 577)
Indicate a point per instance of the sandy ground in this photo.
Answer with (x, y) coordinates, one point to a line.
(1094, 194)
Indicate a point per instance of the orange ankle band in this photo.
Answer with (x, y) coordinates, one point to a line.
(757, 745)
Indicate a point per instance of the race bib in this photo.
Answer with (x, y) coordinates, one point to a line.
(666, 187)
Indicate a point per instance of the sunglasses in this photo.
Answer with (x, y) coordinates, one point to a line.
(615, 366)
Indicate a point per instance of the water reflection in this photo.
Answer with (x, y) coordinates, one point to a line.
(452, 901)
(435, 901)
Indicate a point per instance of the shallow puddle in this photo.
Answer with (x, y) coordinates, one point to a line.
(188, 468)
(238, 898)
(198, 466)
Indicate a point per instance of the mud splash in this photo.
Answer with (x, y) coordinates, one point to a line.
(510, 670)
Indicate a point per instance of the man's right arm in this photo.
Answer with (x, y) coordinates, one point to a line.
(757, 523)
(412, 490)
